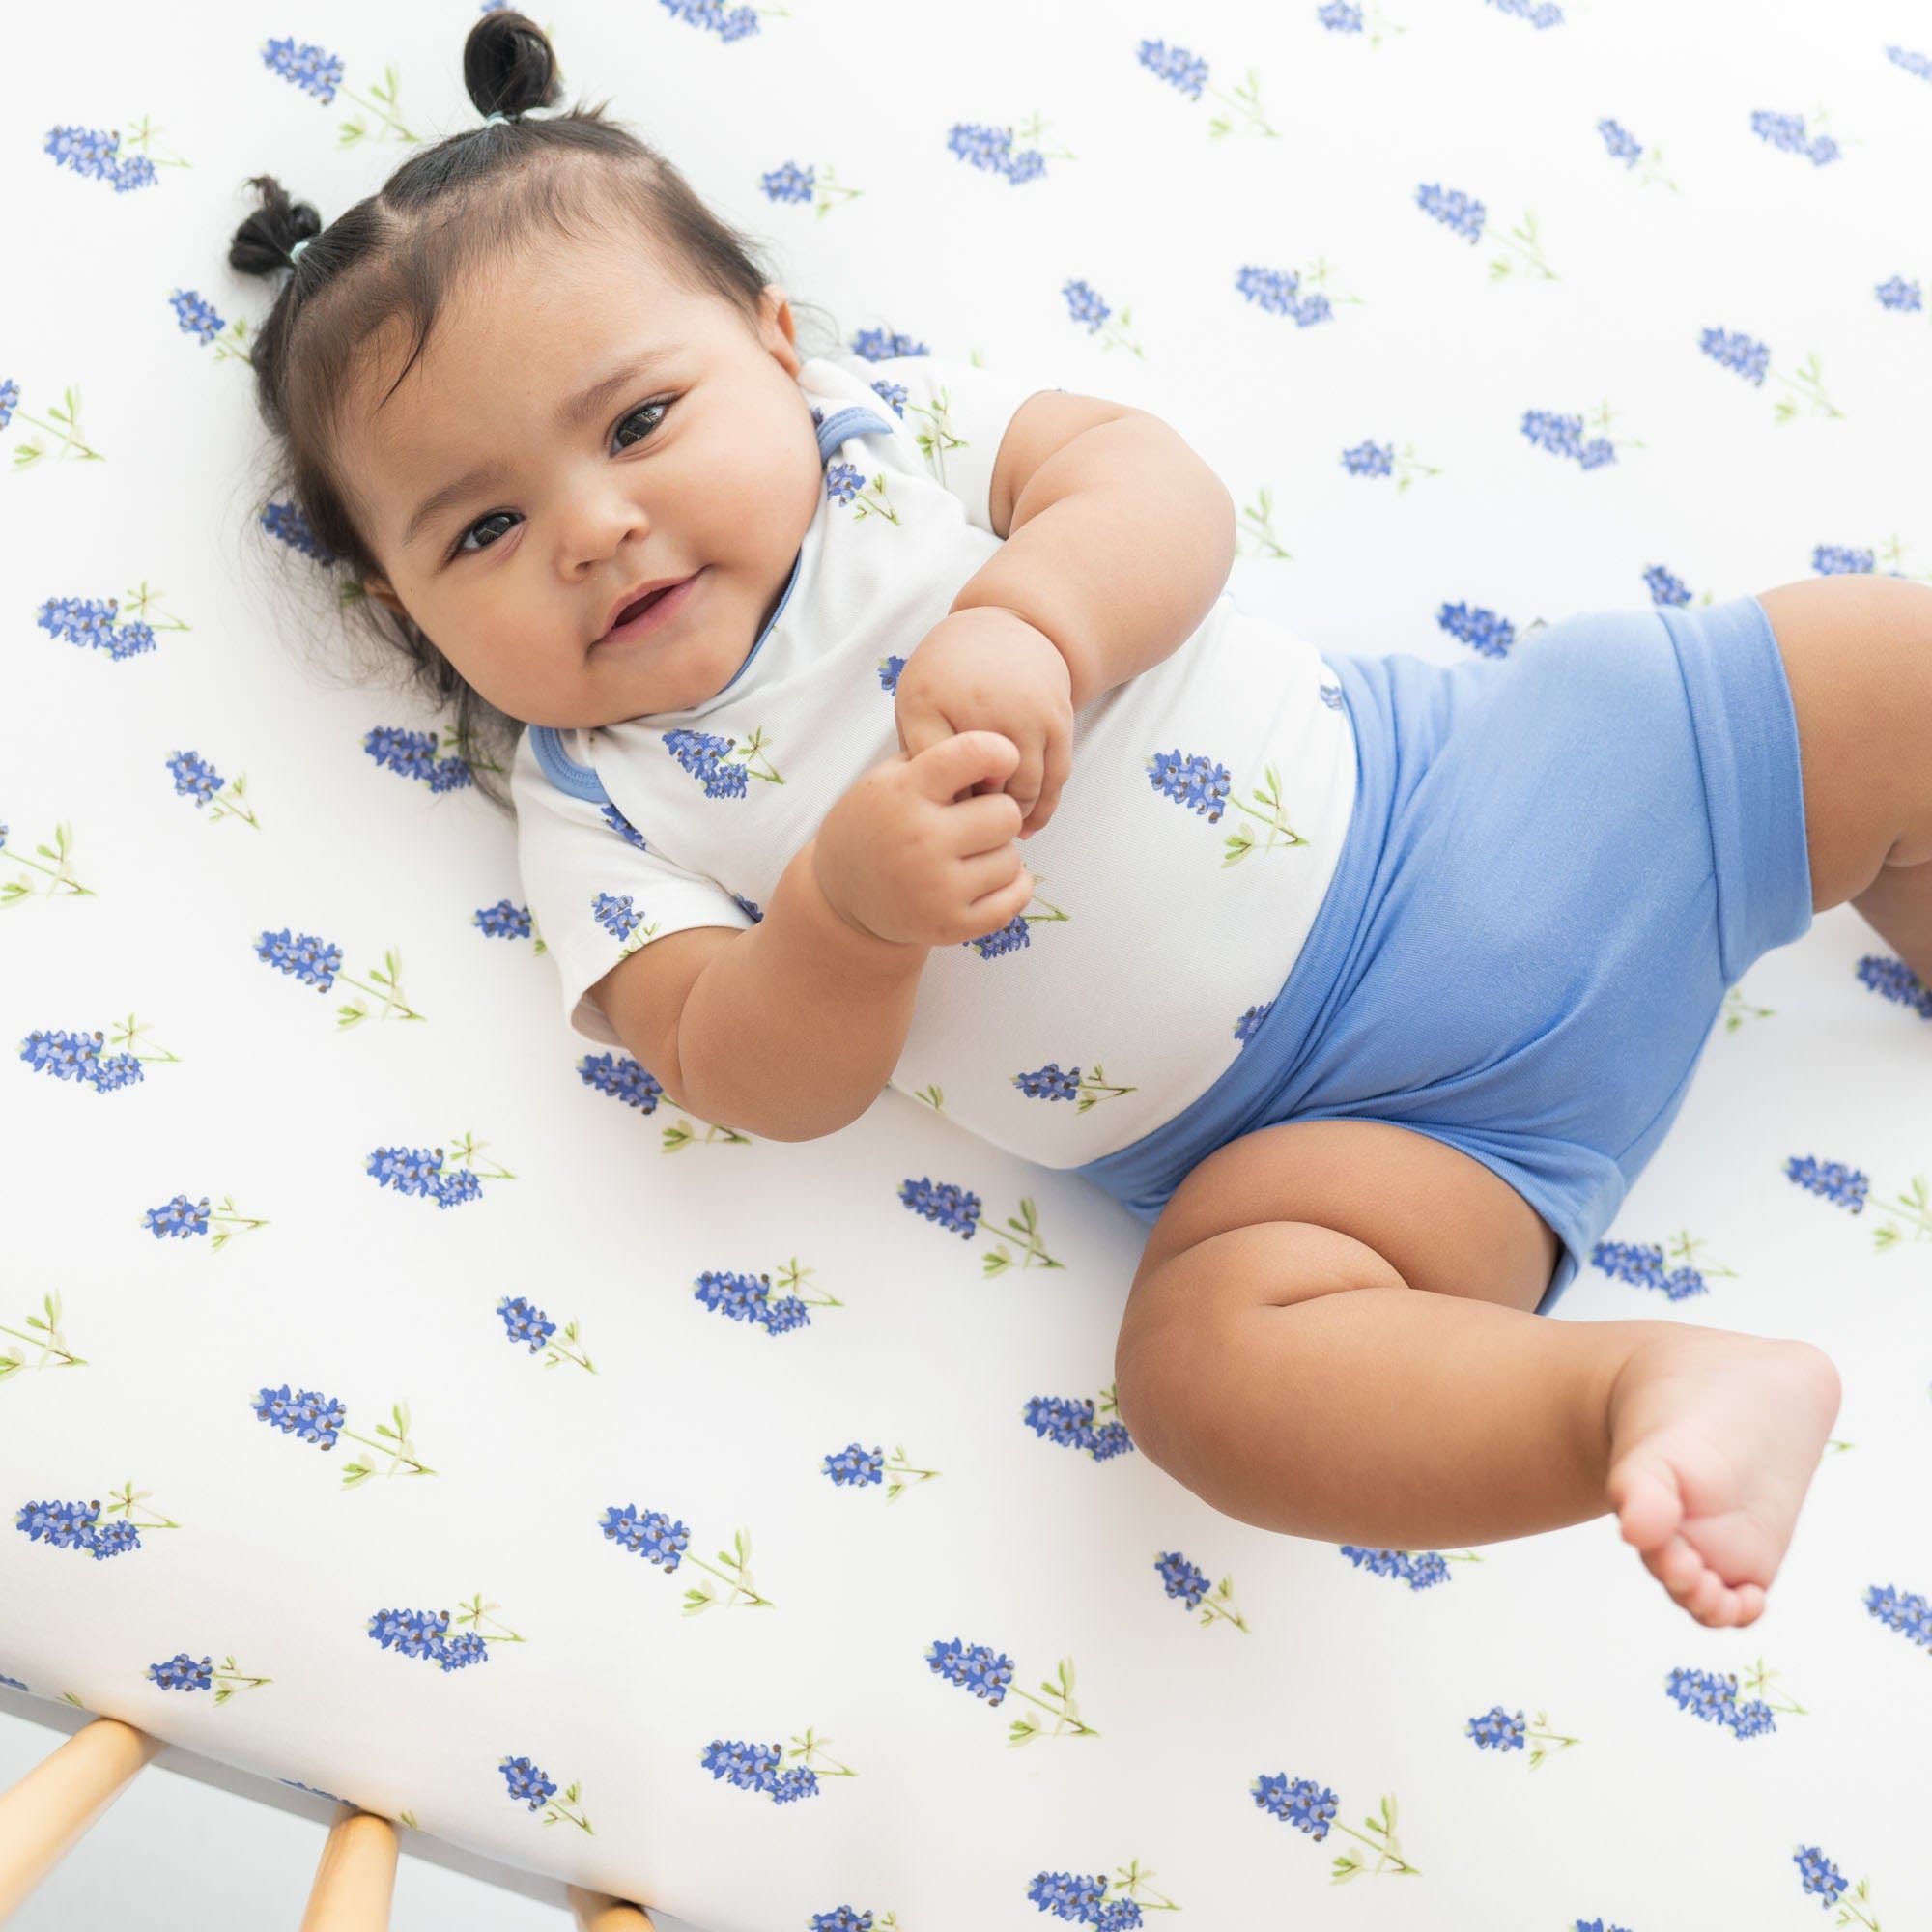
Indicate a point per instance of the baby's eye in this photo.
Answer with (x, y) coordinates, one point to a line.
(460, 546)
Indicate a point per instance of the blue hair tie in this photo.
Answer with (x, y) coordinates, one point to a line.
(488, 117)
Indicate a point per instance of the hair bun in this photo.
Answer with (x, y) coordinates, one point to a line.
(261, 245)
(508, 65)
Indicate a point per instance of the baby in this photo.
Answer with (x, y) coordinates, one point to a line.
(1371, 984)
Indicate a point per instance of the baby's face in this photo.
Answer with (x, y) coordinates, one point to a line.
(707, 462)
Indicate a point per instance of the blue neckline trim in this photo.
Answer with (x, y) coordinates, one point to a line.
(547, 741)
(562, 770)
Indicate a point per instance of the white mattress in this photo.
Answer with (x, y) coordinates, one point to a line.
(625, 1683)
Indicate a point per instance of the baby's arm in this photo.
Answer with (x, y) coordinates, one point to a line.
(1120, 541)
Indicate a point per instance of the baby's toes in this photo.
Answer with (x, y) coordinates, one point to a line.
(1712, 1602)
(1677, 1567)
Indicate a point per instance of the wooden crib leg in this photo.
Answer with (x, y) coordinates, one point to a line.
(43, 1816)
(597, 1911)
(357, 1878)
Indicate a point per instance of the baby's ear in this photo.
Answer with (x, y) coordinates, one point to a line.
(378, 589)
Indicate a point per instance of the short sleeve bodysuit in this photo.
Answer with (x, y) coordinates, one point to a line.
(1182, 870)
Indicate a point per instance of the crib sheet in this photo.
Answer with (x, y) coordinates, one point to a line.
(401, 1402)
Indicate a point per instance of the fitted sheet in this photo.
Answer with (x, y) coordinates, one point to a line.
(938, 1642)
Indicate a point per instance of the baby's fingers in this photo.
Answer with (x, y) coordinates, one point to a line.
(1059, 761)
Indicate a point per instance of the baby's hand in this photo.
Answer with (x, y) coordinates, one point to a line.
(987, 669)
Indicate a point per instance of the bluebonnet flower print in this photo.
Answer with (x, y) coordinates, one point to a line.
(66, 425)
(1052, 1082)
(1485, 633)
(1642, 1264)
(1894, 980)
(1899, 296)
(286, 524)
(790, 181)
(1825, 1882)
(78, 1526)
(180, 1672)
(1070, 1422)
(1084, 305)
(89, 622)
(1911, 1617)
(746, 1297)
(845, 483)
(1420, 1569)
(1191, 780)
(1751, 358)
(314, 1418)
(507, 920)
(1187, 1583)
(1200, 784)
(1250, 1022)
(317, 962)
(856, 1467)
(413, 755)
(95, 155)
(1463, 214)
(61, 873)
(621, 920)
(1621, 145)
(989, 1676)
(990, 150)
(528, 1785)
(179, 1219)
(419, 1171)
(425, 1634)
(319, 72)
(1786, 131)
(77, 1056)
(1344, 17)
(1369, 458)
(876, 345)
(1012, 937)
(623, 826)
(933, 442)
(526, 1323)
(49, 1341)
(1310, 1807)
(622, 1078)
(196, 316)
(755, 1767)
(1842, 1187)
(659, 1540)
(1496, 1730)
(196, 779)
(702, 754)
(1090, 1900)
(960, 1212)
(1714, 1697)
(734, 23)
(1538, 12)
(1187, 75)
(1563, 436)
(1278, 292)
(951, 1205)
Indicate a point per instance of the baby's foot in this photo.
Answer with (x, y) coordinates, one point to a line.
(1714, 1438)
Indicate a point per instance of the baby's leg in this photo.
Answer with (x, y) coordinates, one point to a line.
(1330, 1336)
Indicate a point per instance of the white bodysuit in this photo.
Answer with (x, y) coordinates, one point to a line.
(1182, 869)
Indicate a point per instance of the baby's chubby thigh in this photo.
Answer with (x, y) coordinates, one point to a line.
(1312, 1207)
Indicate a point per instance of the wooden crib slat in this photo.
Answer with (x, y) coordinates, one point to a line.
(51, 1809)
(356, 1880)
(48, 1811)
(598, 1912)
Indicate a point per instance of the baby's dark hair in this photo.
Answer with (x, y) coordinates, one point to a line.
(394, 255)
